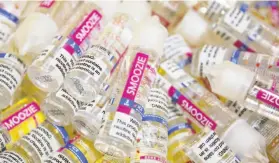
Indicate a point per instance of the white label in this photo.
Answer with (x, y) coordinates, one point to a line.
(211, 149)
(157, 99)
(124, 127)
(3, 141)
(172, 69)
(237, 19)
(175, 46)
(45, 53)
(254, 33)
(224, 33)
(210, 55)
(42, 141)
(174, 112)
(5, 32)
(10, 78)
(66, 97)
(95, 67)
(11, 157)
(57, 157)
(214, 8)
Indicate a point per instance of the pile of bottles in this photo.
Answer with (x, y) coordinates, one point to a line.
(139, 81)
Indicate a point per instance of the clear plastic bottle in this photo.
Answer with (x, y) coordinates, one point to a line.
(262, 64)
(41, 142)
(122, 119)
(48, 71)
(177, 49)
(179, 130)
(263, 125)
(246, 87)
(80, 150)
(84, 80)
(152, 139)
(39, 28)
(210, 113)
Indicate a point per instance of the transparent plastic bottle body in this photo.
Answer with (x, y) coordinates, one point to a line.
(152, 138)
(92, 69)
(79, 150)
(221, 120)
(40, 27)
(15, 155)
(263, 64)
(112, 140)
(42, 141)
(48, 71)
(262, 124)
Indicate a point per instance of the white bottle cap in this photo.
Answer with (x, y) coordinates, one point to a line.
(108, 7)
(138, 10)
(151, 34)
(192, 27)
(230, 80)
(245, 141)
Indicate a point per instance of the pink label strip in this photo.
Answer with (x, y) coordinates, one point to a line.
(21, 115)
(47, 3)
(134, 80)
(155, 158)
(275, 13)
(268, 97)
(192, 109)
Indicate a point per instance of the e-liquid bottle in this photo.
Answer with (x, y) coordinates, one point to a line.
(91, 70)
(79, 150)
(123, 119)
(152, 139)
(216, 120)
(263, 64)
(48, 71)
(245, 87)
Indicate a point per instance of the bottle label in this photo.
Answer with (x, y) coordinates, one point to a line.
(210, 55)
(174, 112)
(77, 153)
(192, 109)
(57, 157)
(47, 3)
(8, 15)
(67, 98)
(21, 115)
(176, 48)
(214, 8)
(238, 19)
(4, 140)
(254, 33)
(214, 150)
(11, 157)
(43, 141)
(10, 78)
(153, 159)
(157, 99)
(5, 32)
(177, 127)
(172, 69)
(268, 97)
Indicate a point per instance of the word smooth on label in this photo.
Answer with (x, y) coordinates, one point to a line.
(192, 109)
(268, 97)
(125, 126)
(47, 3)
(21, 115)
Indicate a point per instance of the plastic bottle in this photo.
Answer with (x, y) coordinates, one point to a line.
(40, 143)
(243, 85)
(9, 19)
(210, 113)
(263, 125)
(177, 49)
(262, 64)
(84, 80)
(152, 139)
(80, 150)
(48, 71)
(169, 12)
(39, 28)
(122, 119)
(179, 130)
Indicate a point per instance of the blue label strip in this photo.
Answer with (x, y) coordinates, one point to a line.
(2, 55)
(178, 127)
(235, 56)
(63, 133)
(75, 46)
(155, 118)
(133, 105)
(244, 7)
(77, 153)
(8, 15)
(175, 96)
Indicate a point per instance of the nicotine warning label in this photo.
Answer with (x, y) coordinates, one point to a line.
(125, 127)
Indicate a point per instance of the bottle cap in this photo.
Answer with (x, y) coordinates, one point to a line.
(151, 34)
(230, 80)
(108, 7)
(192, 27)
(142, 10)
